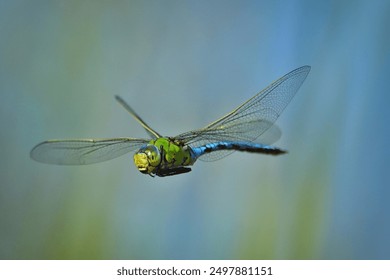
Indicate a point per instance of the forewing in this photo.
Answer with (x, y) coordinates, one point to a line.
(251, 120)
(84, 151)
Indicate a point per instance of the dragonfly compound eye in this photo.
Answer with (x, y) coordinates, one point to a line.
(147, 159)
(153, 155)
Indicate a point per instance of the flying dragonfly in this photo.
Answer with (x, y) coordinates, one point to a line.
(165, 156)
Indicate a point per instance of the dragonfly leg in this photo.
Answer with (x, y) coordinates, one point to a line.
(172, 171)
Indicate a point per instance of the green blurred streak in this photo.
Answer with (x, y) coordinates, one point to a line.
(309, 217)
(260, 239)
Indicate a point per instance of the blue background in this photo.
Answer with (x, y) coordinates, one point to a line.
(181, 65)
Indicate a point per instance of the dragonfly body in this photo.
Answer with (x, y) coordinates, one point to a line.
(165, 156)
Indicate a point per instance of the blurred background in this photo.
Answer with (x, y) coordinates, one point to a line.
(181, 65)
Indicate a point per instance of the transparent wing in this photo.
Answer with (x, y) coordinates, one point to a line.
(83, 151)
(251, 120)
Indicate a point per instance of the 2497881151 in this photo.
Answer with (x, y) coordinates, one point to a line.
(237, 270)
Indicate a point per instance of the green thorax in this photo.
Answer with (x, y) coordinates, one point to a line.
(173, 152)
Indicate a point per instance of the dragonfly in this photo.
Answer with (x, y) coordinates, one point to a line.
(250, 128)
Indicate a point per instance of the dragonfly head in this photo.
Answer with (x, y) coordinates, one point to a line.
(147, 159)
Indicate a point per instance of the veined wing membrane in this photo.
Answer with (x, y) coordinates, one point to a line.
(84, 151)
(252, 119)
